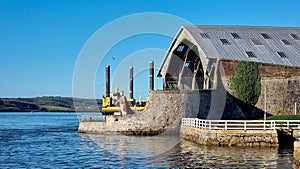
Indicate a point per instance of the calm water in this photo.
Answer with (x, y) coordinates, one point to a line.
(50, 140)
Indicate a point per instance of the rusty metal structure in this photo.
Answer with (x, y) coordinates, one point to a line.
(193, 57)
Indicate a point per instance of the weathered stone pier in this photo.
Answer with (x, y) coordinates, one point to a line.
(163, 112)
(236, 132)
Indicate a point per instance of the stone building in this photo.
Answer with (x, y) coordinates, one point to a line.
(203, 57)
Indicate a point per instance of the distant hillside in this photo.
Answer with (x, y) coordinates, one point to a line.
(47, 104)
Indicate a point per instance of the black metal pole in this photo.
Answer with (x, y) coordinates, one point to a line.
(151, 75)
(131, 83)
(107, 81)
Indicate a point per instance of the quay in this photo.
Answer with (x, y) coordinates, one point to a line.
(238, 132)
(270, 133)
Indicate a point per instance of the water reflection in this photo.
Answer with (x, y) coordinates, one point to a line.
(160, 152)
(131, 146)
(188, 154)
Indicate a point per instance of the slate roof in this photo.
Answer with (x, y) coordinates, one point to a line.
(270, 45)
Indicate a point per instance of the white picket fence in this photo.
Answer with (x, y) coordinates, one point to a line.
(241, 124)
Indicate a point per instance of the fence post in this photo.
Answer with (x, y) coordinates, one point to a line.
(201, 124)
(245, 127)
(209, 125)
(288, 124)
(264, 125)
(226, 125)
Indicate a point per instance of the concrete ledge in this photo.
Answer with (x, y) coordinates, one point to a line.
(105, 128)
(95, 128)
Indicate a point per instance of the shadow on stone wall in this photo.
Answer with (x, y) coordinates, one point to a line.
(234, 108)
(251, 112)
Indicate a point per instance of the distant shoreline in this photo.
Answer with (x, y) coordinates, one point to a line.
(49, 104)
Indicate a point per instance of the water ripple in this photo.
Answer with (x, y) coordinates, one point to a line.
(51, 140)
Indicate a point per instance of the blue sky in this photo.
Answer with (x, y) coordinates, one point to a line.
(40, 40)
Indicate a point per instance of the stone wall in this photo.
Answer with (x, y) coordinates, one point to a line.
(296, 162)
(230, 137)
(282, 93)
(282, 83)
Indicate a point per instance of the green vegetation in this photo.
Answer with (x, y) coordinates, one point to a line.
(287, 74)
(284, 117)
(245, 82)
(48, 104)
(56, 108)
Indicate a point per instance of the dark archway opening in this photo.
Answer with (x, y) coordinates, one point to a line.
(185, 69)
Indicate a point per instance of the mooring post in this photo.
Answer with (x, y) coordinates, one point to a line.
(151, 75)
(131, 83)
(107, 80)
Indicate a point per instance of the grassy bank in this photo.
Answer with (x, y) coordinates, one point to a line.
(284, 117)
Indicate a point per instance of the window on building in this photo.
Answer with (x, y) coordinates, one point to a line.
(282, 55)
(250, 54)
(286, 42)
(255, 42)
(204, 35)
(187, 63)
(266, 36)
(235, 36)
(294, 36)
(180, 48)
(224, 41)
